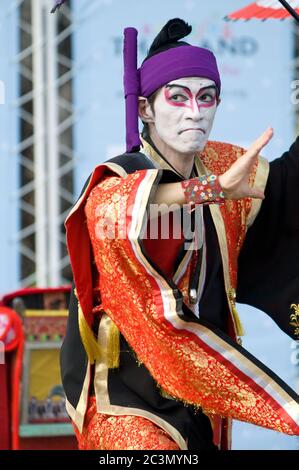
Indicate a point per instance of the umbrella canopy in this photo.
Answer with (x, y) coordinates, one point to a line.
(264, 9)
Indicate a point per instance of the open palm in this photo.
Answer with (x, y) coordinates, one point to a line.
(235, 181)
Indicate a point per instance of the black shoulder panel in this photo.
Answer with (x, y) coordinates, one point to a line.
(131, 162)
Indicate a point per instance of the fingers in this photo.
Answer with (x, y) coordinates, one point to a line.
(260, 143)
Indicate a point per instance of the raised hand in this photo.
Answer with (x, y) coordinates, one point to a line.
(235, 181)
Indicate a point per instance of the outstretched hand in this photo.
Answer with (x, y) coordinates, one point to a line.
(235, 181)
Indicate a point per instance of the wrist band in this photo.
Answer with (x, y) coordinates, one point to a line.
(203, 190)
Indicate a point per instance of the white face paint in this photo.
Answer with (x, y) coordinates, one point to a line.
(184, 113)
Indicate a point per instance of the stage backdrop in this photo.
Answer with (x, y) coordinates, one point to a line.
(255, 61)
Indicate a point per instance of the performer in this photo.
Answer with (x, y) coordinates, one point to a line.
(152, 357)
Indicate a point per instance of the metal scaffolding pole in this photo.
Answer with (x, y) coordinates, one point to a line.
(54, 275)
(45, 148)
(39, 147)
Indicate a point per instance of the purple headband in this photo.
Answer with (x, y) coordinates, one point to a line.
(161, 68)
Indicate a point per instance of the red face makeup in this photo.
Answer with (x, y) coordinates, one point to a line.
(184, 111)
(178, 95)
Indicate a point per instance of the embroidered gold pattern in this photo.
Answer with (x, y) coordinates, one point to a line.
(107, 432)
(295, 318)
(113, 347)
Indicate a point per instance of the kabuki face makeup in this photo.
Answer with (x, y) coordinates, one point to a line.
(184, 111)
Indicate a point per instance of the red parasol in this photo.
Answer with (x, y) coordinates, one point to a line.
(264, 9)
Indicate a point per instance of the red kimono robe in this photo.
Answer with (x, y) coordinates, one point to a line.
(191, 361)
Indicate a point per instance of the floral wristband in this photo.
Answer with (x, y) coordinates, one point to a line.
(203, 190)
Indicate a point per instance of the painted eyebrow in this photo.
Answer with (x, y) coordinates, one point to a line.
(174, 85)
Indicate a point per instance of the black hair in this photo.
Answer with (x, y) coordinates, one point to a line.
(169, 37)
